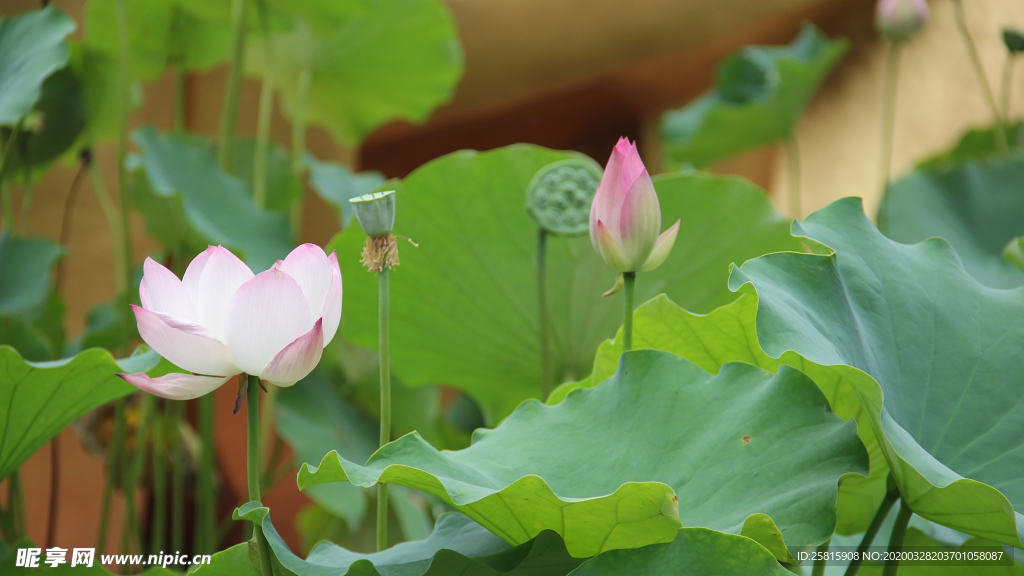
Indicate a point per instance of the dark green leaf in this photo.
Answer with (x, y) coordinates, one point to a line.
(31, 48)
(61, 112)
(760, 93)
(605, 476)
(25, 265)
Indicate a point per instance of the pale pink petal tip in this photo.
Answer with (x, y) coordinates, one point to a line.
(175, 386)
(297, 359)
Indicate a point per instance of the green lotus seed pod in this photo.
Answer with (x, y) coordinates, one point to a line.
(559, 196)
(375, 212)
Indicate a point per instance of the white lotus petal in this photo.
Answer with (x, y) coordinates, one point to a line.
(265, 315)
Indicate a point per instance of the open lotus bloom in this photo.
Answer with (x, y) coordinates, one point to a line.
(220, 320)
(625, 218)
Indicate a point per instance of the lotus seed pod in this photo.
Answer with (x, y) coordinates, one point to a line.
(559, 196)
(375, 212)
(898, 20)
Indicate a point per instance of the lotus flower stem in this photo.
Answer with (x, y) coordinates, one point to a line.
(135, 474)
(542, 304)
(793, 175)
(124, 102)
(253, 468)
(299, 139)
(205, 537)
(892, 66)
(629, 282)
(178, 477)
(384, 313)
(899, 530)
(113, 467)
(26, 195)
(70, 201)
(230, 111)
(820, 563)
(979, 72)
(876, 523)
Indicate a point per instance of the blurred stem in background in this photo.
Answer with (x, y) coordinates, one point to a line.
(384, 318)
(253, 468)
(124, 97)
(230, 110)
(264, 116)
(793, 175)
(542, 304)
(892, 71)
(70, 201)
(299, 141)
(5, 193)
(113, 467)
(820, 563)
(891, 495)
(26, 188)
(180, 92)
(1007, 86)
(979, 72)
(206, 500)
(158, 521)
(132, 530)
(177, 418)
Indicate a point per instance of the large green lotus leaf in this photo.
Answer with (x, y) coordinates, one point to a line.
(975, 204)
(31, 48)
(38, 400)
(314, 420)
(217, 206)
(479, 329)
(336, 184)
(976, 144)
(907, 323)
(760, 93)
(728, 334)
(456, 546)
(369, 62)
(694, 552)
(621, 464)
(161, 33)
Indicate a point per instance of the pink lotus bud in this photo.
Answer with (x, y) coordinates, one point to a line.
(625, 217)
(899, 19)
(220, 320)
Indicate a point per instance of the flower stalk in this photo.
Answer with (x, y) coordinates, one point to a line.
(891, 495)
(384, 320)
(892, 65)
(230, 111)
(542, 304)
(628, 285)
(899, 531)
(253, 467)
(979, 73)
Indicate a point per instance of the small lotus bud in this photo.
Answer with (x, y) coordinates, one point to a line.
(625, 218)
(375, 212)
(1014, 40)
(898, 20)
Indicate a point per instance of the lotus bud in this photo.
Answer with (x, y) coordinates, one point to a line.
(1014, 40)
(898, 20)
(375, 212)
(625, 218)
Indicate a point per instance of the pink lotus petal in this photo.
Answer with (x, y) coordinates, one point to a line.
(662, 248)
(331, 312)
(612, 251)
(184, 343)
(190, 280)
(640, 218)
(266, 314)
(609, 195)
(161, 291)
(176, 386)
(308, 266)
(222, 275)
(297, 359)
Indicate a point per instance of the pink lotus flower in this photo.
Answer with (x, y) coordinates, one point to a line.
(900, 19)
(220, 320)
(625, 217)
